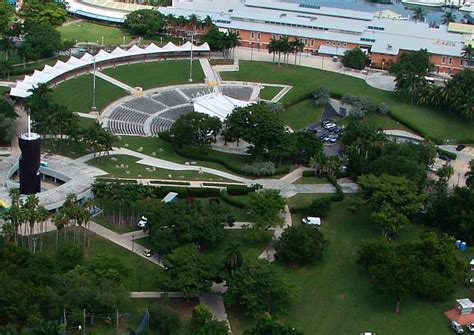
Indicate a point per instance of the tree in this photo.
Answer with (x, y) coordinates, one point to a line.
(40, 41)
(109, 267)
(69, 256)
(186, 271)
(355, 59)
(145, 22)
(300, 245)
(164, 319)
(6, 67)
(470, 175)
(202, 323)
(44, 12)
(445, 173)
(232, 258)
(419, 14)
(428, 268)
(7, 118)
(448, 17)
(267, 206)
(389, 220)
(468, 52)
(268, 326)
(6, 14)
(258, 287)
(195, 129)
(321, 96)
(458, 94)
(410, 72)
(297, 46)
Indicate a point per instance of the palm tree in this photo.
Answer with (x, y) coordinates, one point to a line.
(297, 46)
(233, 257)
(31, 204)
(273, 48)
(468, 53)
(448, 17)
(470, 175)
(193, 20)
(208, 21)
(42, 215)
(419, 14)
(6, 67)
(7, 45)
(234, 41)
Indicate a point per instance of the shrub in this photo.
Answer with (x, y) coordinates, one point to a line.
(164, 319)
(450, 154)
(321, 96)
(308, 173)
(239, 189)
(355, 59)
(232, 201)
(259, 169)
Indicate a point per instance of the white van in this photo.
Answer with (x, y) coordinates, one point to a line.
(311, 220)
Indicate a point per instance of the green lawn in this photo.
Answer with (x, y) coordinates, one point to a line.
(135, 170)
(85, 122)
(376, 120)
(93, 32)
(143, 271)
(268, 92)
(435, 124)
(156, 74)
(76, 93)
(65, 148)
(311, 180)
(336, 297)
(302, 114)
(105, 222)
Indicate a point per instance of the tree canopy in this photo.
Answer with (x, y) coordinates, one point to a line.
(195, 129)
(145, 22)
(267, 206)
(355, 59)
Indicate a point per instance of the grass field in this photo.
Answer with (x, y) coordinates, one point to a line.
(93, 32)
(376, 120)
(302, 114)
(135, 170)
(268, 92)
(76, 93)
(336, 297)
(432, 123)
(156, 74)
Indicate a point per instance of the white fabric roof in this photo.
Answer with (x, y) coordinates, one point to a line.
(217, 104)
(50, 72)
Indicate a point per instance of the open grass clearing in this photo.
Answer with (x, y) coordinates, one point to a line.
(94, 33)
(433, 123)
(76, 93)
(336, 297)
(132, 169)
(302, 114)
(156, 74)
(375, 120)
(269, 92)
(125, 228)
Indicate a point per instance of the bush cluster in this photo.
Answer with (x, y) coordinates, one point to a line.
(259, 169)
(361, 106)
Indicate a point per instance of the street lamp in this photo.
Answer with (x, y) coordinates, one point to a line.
(251, 50)
(93, 88)
(191, 59)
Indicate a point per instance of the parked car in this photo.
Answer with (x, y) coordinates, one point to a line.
(432, 168)
(456, 327)
(329, 126)
(471, 328)
(444, 158)
(148, 253)
(332, 139)
(460, 147)
(311, 220)
(143, 222)
(325, 122)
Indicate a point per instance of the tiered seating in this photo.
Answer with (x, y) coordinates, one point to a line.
(160, 125)
(128, 115)
(191, 92)
(145, 105)
(238, 92)
(170, 98)
(125, 128)
(175, 113)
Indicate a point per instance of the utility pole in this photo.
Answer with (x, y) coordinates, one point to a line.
(117, 320)
(84, 329)
(93, 89)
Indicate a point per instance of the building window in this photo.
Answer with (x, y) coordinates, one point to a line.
(327, 42)
(311, 42)
(462, 62)
(305, 41)
(338, 44)
(333, 44)
(252, 35)
(259, 36)
(443, 60)
(450, 60)
(273, 36)
(344, 45)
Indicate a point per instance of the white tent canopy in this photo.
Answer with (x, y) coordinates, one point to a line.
(217, 104)
(51, 72)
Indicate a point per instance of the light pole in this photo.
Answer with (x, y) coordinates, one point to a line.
(191, 59)
(93, 89)
(133, 243)
(251, 50)
(123, 40)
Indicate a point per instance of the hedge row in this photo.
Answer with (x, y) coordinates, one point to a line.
(118, 181)
(232, 201)
(339, 192)
(185, 192)
(450, 154)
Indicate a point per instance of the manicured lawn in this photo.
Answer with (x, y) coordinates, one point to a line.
(302, 114)
(303, 199)
(103, 221)
(376, 120)
(143, 271)
(336, 297)
(435, 124)
(156, 74)
(76, 93)
(64, 148)
(135, 170)
(93, 32)
(85, 122)
(268, 92)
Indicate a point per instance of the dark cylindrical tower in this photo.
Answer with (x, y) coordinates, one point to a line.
(30, 179)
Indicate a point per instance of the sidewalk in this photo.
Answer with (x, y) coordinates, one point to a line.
(115, 82)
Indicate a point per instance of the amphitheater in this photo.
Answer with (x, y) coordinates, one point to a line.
(157, 109)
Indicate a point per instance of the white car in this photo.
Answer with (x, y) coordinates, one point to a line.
(143, 222)
(311, 220)
(330, 126)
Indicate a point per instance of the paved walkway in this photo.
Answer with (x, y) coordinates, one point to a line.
(269, 252)
(208, 71)
(7, 83)
(115, 82)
